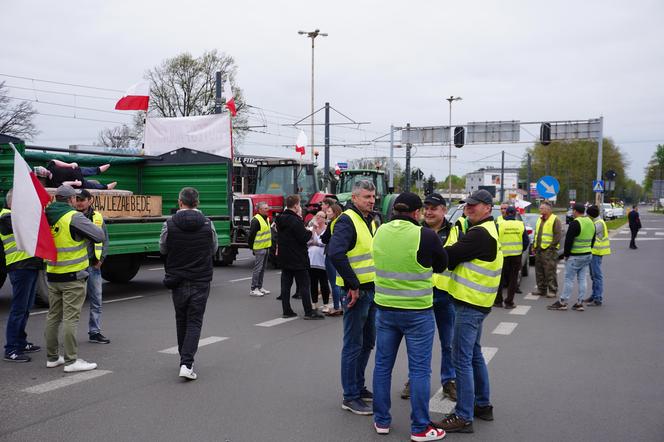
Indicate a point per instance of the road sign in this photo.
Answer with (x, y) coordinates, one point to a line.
(342, 166)
(572, 194)
(598, 186)
(533, 190)
(548, 186)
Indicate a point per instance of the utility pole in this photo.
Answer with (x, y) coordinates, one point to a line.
(408, 146)
(326, 173)
(391, 163)
(217, 93)
(450, 99)
(599, 196)
(529, 178)
(502, 177)
(312, 35)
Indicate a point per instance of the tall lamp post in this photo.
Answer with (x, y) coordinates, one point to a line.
(312, 35)
(450, 100)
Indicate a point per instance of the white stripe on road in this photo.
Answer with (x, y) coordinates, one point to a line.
(241, 279)
(66, 381)
(156, 268)
(122, 299)
(201, 343)
(489, 353)
(659, 233)
(273, 322)
(520, 310)
(637, 239)
(530, 297)
(40, 312)
(505, 328)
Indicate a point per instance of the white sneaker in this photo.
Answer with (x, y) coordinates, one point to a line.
(53, 364)
(188, 373)
(263, 291)
(325, 309)
(80, 365)
(256, 292)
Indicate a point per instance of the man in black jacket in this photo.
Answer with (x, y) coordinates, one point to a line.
(189, 241)
(293, 257)
(634, 225)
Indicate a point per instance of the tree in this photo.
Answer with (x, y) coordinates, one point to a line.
(655, 168)
(16, 120)
(119, 136)
(458, 183)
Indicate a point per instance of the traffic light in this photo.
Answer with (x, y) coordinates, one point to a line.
(545, 134)
(459, 136)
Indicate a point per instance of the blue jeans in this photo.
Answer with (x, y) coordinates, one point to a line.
(472, 376)
(332, 278)
(359, 339)
(443, 310)
(597, 277)
(24, 288)
(94, 298)
(575, 267)
(418, 329)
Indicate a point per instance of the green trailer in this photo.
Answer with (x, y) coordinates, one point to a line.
(131, 239)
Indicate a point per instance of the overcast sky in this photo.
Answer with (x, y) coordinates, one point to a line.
(385, 62)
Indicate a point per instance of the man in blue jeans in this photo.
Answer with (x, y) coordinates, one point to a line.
(350, 252)
(96, 253)
(601, 248)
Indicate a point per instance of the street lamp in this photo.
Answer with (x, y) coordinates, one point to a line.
(312, 35)
(450, 100)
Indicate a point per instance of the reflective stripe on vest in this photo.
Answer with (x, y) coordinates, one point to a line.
(510, 233)
(359, 256)
(12, 254)
(263, 239)
(585, 237)
(441, 280)
(401, 282)
(98, 220)
(476, 282)
(72, 254)
(547, 232)
(602, 246)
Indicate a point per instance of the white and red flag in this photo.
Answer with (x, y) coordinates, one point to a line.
(227, 93)
(301, 143)
(136, 97)
(31, 229)
(337, 169)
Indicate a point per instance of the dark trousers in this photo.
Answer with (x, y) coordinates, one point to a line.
(301, 287)
(509, 278)
(24, 284)
(632, 242)
(189, 300)
(318, 278)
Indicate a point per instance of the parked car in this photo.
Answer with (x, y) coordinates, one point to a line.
(607, 211)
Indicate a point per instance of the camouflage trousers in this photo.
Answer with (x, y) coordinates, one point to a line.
(545, 271)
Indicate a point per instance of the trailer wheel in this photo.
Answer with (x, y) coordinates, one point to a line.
(121, 268)
(225, 256)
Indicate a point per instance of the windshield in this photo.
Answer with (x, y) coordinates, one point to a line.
(306, 185)
(350, 179)
(278, 180)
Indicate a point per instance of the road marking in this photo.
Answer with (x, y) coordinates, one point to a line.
(201, 343)
(273, 322)
(638, 239)
(505, 328)
(122, 299)
(530, 297)
(40, 312)
(659, 233)
(489, 353)
(520, 310)
(241, 259)
(66, 381)
(156, 268)
(241, 279)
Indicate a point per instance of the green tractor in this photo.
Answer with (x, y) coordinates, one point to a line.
(384, 200)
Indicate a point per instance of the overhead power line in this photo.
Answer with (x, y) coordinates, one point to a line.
(61, 83)
(71, 106)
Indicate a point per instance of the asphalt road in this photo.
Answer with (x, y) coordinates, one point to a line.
(593, 375)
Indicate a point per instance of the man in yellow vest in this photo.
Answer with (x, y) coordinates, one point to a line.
(405, 255)
(579, 241)
(67, 278)
(96, 253)
(548, 232)
(601, 248)
(476, 263)
(23, 270)
(350, 252)
(513, 240)
(260, 241)
(503, 210)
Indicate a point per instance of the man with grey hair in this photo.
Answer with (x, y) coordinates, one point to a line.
(260, 241)
(189, 242)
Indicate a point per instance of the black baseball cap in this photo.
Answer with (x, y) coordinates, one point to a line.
(84, 194)
(479, 196)
(510, 211)
(580, 208)
(435, 199)
(407, 202)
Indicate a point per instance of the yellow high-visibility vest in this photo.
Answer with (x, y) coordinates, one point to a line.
(263, 238)
(360, 256)
(72, 254)
(12, 254)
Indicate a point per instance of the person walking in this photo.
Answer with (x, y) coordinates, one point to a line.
(601, 248)
(67, 278)
(260, 241)
(294, 259)
(23, 271)
(476, 262)
(333, 212)
(189, 241)
(548, 232)
(634, 225)
(579, 241)
(96, 253)
(350, 252)
(405, 254)
(513, 241)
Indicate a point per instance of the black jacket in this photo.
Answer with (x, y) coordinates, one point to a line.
(634, 220)
(292, 238)
(254, 227)
(190, 248)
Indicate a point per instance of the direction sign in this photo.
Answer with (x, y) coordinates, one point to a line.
(598, 186)
(342, 166)
(548, 186)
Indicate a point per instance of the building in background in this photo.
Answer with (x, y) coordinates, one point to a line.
(489, 179)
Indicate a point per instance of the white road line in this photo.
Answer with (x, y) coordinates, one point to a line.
(241, 259)
(489, 353)
(201, 343)
(273, 322)
(66, 381)
(638, 239)
(505, 328)
(530, 297)
(156, 268)
(659, 233)
(241, 279)
(40, 312)
(561, 266)
(122, 299)
(520, 310)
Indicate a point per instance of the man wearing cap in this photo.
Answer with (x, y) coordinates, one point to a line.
(513, 240)
(67, 278)
(405, 255)
(579, 241)
(548, 232)
(476, 263)
(97, 253)
(601, 248)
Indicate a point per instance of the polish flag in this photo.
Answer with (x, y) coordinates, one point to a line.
(337, 169)
(136, 97)
(31, 229)
(227, 93)
(301, 143)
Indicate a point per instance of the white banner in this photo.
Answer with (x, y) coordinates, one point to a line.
(206, 133)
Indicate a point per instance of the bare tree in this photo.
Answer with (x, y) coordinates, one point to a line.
(16, 120)
(123, 136)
